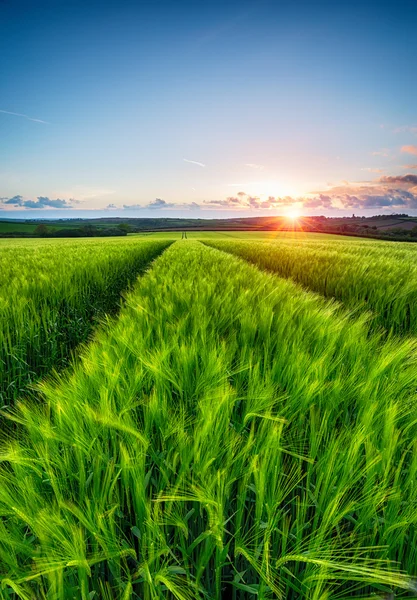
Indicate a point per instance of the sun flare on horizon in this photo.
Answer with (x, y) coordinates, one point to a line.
(293, 213)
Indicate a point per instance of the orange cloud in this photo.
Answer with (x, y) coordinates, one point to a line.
(409, 149)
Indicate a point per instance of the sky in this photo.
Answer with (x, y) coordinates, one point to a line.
(206, 109)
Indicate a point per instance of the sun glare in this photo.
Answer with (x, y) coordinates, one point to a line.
(293, 213)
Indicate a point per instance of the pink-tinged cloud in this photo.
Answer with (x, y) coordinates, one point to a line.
(412, 167)
(320, 201)
(399, 179)
(409, 149)
(398, 192)
(244, 201)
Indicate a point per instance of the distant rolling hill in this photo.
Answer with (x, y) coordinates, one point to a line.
(397, 226)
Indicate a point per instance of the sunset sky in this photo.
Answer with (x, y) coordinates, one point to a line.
(207, 108)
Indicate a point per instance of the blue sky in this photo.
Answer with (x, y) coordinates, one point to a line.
(203, 109)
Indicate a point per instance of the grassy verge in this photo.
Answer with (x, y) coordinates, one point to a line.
(365, 276)
(50, 296)
(230, 435)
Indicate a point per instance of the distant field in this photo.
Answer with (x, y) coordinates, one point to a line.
(10, 226)
(239, 421)
(256, 228)
(407, 225)
(35, 242)
(243, 235)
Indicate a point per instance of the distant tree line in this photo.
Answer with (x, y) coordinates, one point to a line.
(44, 231)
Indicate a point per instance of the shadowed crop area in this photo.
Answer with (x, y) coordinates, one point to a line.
(51, 293)
(229, 435)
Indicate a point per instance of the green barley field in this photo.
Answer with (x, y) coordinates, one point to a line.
(227, 416)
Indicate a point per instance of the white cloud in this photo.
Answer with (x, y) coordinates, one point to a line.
(194, 162)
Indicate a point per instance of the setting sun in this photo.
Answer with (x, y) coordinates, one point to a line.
(293, 213)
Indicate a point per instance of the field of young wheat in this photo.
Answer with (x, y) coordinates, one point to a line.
(50, 294)
(208, 418)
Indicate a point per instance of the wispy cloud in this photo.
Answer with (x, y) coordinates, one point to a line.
(194, 162)
(409, 149)
(8, 112)
(159, 204)
(412, 167)
(383, 152)
(406, 129)
(255, 166)
(372, 170)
